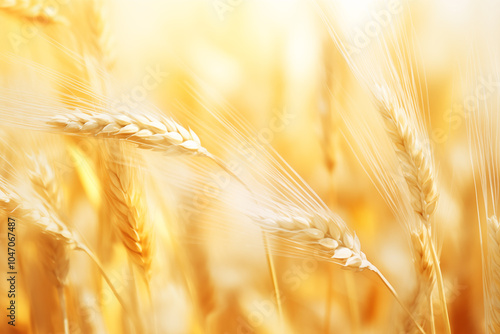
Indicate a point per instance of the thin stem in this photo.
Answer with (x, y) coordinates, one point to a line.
(106, 278)
(395, 294)
(329, 294)
(133, 291)
(431, 308)
(272, 270)
(439, 278)
(329, 298)
(150, 302)
(132, 288)
(62, 301)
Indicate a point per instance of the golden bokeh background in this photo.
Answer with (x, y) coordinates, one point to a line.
(262, 59)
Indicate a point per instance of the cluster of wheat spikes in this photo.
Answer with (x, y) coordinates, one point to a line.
(128, 222)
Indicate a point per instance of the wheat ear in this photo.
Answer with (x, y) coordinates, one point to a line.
(39, 217)
(156, 133)
(126, 200)
(330, 239)
(414, 159)
(32, 10)
(325, 234)
(146, 131)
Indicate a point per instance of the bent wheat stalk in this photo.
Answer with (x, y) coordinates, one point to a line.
(327, 235)
(379, 66)
(156, 133)
(417, 168)
(328, 238)
(287, 209)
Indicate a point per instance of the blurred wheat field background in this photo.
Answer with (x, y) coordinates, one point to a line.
(234, 166)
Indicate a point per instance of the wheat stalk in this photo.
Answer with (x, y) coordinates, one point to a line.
(483, 121)
(493, 267)
(417, 168)
(329, 145)
(379, 67)
(56, 261)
